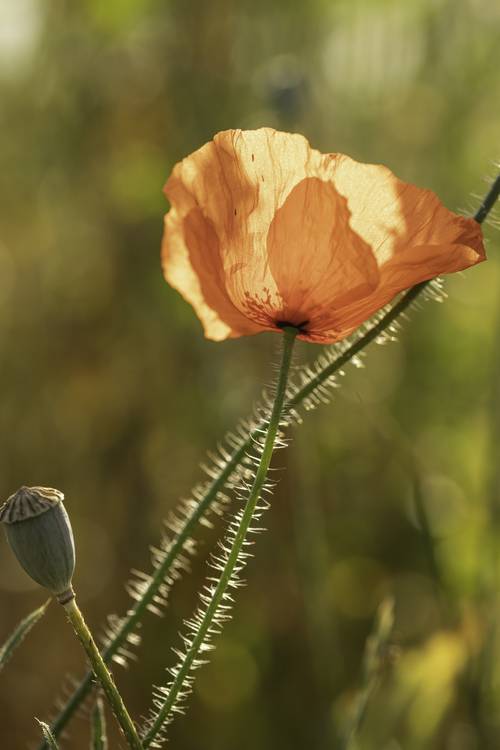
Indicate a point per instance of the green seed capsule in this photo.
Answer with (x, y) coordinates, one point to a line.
(39, 532)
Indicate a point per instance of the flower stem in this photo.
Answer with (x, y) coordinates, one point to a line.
(103, 674)
(239, 538)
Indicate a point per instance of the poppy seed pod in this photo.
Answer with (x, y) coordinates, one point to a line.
(39, 532)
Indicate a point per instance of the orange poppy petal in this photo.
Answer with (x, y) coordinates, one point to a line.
(392, 215)
(264, 229)
(422, 262)
(408, 268)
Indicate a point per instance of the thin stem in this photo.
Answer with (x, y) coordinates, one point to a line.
(234, 552)
(135, 614)
(99, 739)
(373, 663)
(103, 674)
(429, 542)
(22, 630)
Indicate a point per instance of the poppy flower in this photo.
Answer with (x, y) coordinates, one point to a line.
(265, 231)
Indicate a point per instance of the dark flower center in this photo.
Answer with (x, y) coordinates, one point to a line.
(286, 324)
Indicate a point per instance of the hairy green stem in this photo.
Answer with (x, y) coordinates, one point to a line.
(135, 614)
(233, 555)
(103, 674)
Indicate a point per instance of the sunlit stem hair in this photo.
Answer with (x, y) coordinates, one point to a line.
(313, 381)
(216, 602)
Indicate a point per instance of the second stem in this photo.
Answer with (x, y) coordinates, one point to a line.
(103, 674)
(232, 558)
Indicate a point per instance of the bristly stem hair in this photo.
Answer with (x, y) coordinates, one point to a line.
(213, 611)
(314, 380)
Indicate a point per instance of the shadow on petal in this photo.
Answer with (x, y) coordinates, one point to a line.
(318, 262)
(205, 258)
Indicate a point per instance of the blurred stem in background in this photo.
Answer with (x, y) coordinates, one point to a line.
(314, 560)
(99, 740)
(374, 659)
(416, 471)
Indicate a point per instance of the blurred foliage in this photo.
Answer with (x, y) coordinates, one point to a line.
(110, 392)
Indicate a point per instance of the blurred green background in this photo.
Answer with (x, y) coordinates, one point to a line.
(110, 392)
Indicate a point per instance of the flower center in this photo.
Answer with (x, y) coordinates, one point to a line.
(286, 324)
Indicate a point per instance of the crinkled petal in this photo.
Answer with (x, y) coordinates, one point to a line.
(238, 181)
(191, 264)
(393, 216)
